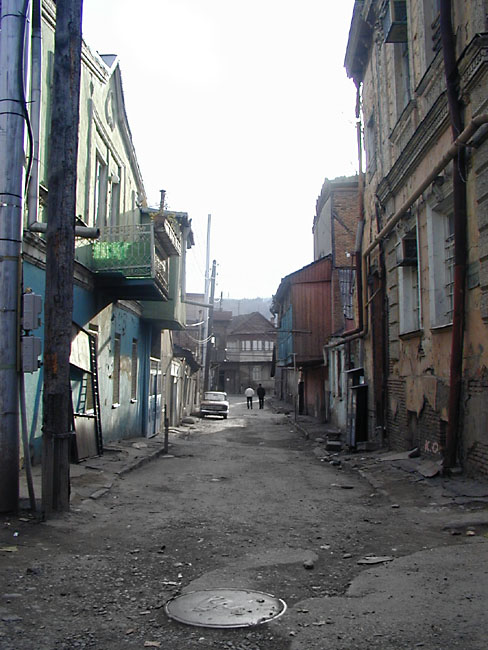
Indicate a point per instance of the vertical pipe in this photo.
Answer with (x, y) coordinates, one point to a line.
(12, 130)
(35, 114)
(460, 237)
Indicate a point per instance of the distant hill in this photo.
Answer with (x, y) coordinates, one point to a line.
(246, 306)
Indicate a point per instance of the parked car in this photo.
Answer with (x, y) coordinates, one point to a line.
(214, 403)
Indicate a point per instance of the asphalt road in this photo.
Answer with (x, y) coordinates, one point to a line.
(245, 504)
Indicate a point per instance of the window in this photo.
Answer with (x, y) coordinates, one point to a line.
(115, 197)
(256, 373)
(245, 345)
(346, 284)
(100, 199)
(133, 371)
(408, 282)
(394, 19)
(440, 233)
(432, 30)
(402, 76)
(116, 372)
(370, 142)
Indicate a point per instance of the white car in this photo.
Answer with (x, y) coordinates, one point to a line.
(214, 403)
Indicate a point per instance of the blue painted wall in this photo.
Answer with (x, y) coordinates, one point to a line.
(129, 418)
(285, 338)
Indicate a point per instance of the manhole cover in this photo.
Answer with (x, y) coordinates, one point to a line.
(225, 608)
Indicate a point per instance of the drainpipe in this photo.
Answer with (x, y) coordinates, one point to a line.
(33, 224)
(460, 238)
(35, 115)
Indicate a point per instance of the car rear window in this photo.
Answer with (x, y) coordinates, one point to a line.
(215, 397)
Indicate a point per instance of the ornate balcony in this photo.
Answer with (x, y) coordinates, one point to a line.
(131, 262)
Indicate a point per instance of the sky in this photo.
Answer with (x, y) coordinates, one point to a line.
(239, 109)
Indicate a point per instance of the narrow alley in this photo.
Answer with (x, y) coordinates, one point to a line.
(249, 503)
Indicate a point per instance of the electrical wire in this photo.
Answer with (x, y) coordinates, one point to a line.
(199, 340)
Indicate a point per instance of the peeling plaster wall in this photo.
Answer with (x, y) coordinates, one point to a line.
(403, 141)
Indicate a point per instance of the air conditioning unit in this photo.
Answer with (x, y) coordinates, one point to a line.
(395, 21)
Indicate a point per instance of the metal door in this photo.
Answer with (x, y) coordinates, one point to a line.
(154, 400)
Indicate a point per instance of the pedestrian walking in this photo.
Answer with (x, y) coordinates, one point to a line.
(249, 393)
(261, 393)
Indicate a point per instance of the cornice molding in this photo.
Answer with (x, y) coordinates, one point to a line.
(425, 136)
(474, 63)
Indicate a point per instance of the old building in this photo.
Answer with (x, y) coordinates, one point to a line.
(249, 353)
(127, 281)
(421, 71)
(335, 234)
(315, 308)
(302, 305)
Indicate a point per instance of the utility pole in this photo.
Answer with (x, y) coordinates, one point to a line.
(206, 381)
(60, 245)
(206, 297)
(12, 125)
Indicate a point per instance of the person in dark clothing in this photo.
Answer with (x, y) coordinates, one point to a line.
(261, 393)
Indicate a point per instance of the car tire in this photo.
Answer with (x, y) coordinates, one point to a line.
(225, 417)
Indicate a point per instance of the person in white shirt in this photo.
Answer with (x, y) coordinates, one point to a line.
(249, 393)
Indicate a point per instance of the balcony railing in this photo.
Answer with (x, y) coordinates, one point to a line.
(127, 259)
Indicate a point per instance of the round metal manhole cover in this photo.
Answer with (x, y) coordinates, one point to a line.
(225, 608)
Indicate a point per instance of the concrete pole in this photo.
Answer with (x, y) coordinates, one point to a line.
(207, 288)
(208, 345)
(12, 128)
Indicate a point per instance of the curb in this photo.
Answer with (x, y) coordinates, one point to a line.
(140, 462)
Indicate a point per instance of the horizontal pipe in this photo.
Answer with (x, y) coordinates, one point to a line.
(196, 304)
(460, 141)
(80, 231)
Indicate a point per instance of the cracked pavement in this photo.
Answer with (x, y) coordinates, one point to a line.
(249, 503)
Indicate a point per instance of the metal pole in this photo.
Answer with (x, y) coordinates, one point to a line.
(166, 429)
(12, 128)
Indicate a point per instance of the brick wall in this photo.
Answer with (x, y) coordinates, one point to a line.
(346, 216)
(406, 430)
(476, 461)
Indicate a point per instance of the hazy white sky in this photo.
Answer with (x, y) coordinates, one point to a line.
(238, 109)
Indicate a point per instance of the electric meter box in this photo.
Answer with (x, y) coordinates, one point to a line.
(31, 351)
(32, 310)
